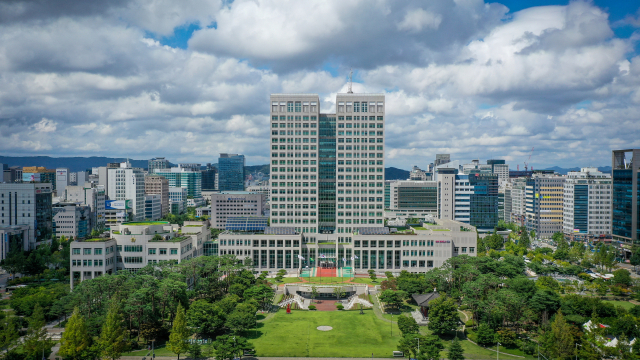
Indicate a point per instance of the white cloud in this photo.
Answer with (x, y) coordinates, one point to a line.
(418, 20)
(45, 125)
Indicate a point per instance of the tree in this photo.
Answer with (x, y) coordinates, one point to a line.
(622, 277)
(485, 335)
(429, 352)
(36, 342)
(408, 325)
(261, 293)
(443, 315)
(281, 273)
(195, 351)
(241, 319)
(8, 332)
(229, 347)
(179, 333)
(75, 339)
(205, 318)
(372, 275)
(455, 350)
(112, 342)
(339, 292)
(563, 342)
(391, 298)
(314, 292)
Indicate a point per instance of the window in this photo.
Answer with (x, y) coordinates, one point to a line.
(152, 251)
(76, 251)
(356, 107)
(163, 251)
(290, 106)
(298, 106)
(97, 251)
(87, 252)
(174, 251)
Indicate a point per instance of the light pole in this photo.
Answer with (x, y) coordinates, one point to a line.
(418, 345)
(498, 352)
(577, 350)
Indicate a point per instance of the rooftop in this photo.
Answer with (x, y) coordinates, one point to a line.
(141, 223)
(96, 240)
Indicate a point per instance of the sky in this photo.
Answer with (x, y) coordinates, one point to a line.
(188, 80)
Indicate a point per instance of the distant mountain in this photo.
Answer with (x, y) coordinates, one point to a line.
(392, 173)
(564, 171)
(257, 168)
(72, 163)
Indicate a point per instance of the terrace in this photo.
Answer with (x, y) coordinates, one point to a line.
(95, 240)
(172, 240)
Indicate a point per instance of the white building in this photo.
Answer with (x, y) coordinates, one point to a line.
(177, 200)
(117, 212)
(93, 196)
(132, 246)
(229, 204)
(27, 204)
(413, 198)
(62, 181)
(127, 183)
(153, 207)
(587, 203)
(71, 220)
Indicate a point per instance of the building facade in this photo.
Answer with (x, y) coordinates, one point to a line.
(545, 204)
(158, 185)
(93, 196)
(188, 177)
(231, 172)
(625, 196)
(39, 174)
(587, 203)
(117, 212)
(209, 178)
(228, 204)
(71, 220)
(127, 183)
(413, 198)
(471, 199)
(132, 246)
(28, 204)
(63, 179)
(157, 163)
(152, 207)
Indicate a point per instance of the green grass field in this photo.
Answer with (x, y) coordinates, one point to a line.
(353, 335)
(625, 304)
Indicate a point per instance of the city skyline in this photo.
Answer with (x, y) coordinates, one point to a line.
(191, 82)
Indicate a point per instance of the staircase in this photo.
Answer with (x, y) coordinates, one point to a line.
(354, 299)
(420, 319)
(295, 299)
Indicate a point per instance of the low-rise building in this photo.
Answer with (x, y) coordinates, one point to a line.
(71, 220)
(92, 195)
(117, 211)
(230, 204)
(133, 245)
(153, 207)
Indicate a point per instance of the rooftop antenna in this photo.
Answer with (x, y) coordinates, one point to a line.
(350, 91)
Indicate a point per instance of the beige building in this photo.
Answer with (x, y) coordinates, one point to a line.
(158, 185)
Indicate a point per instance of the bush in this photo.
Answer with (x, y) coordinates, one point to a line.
(340, 307)
(469, 323)
(463, 307)
(312, 307)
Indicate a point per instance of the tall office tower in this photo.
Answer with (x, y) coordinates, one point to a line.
(157, 163)
(471, 199)
(500, 168)
(92, 195)
(518, 212)
(27, 204)
(62, 181)
(327, 169)
(625, 202)
(545, 197)
(587, 204)
(231, 172)
(187, 176)
(125, 183)
(442, 159)
(209, 178)
(158, 185)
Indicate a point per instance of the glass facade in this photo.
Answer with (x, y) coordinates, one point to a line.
(424, 197)
(327, 173)
(484, 201)
(621, 203)
(231, 172)
(581, 208)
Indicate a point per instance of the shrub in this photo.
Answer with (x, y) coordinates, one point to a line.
(469, 323)
(340, 307)
(463, 307)
(312, 307)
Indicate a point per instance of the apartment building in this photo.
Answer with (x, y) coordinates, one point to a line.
(158, 185)
(127, 183)
(587, 203)
(545, 204)
(93, 196)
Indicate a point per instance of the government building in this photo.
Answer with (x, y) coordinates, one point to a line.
(327, 197)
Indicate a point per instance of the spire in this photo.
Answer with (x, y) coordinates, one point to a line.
(350, 91)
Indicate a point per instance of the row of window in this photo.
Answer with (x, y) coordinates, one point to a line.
(89, 262)
(163, 251)
(293, 125)
(294, 106)
(357, 106)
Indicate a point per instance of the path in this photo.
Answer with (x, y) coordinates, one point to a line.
(248, 358)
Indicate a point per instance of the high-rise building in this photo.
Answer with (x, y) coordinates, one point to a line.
(92, 195)
(27, 204)
(209, 178)
(231, 172)
(62, 181)
(625, 197)
(153, 207)
(127, 182)
(587, 203)
(177, 200)
(518, 211)
(71, 220)
(157, 163)
(327, 196)
(158, 185)
(500, 168)
(187, 176)
(544, 204)
(471, 199)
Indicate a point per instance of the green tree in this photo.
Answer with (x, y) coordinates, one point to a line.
(8, 332)
(195, 351)
(205, 318)
(622, 277)
(563, 342)
(75, 339)
(485, 335)
(339, 292)
(372, 275)
(408, 325)
(443, 315)
(241, 320)
(455, 350)
(112, 342)
(263, 294)
(314, 292)
(179, 333)
(391, 298)
(228, 347)
(36, 342)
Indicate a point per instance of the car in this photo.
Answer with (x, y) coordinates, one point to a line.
(588, 271)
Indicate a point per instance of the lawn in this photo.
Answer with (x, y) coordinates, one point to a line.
(625, 304)
(353, 335)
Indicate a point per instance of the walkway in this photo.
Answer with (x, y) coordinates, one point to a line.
(325, 305)
(326, 272)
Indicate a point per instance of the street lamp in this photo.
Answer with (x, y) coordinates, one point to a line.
(577, 350)
(498, 352)
(418, 344)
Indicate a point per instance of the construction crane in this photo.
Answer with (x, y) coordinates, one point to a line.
(526, 163)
